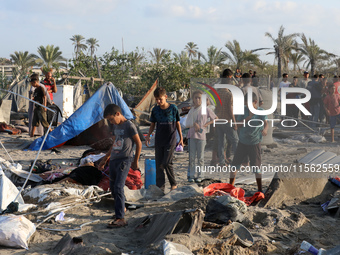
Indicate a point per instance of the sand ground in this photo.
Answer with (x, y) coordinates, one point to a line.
(276, 230)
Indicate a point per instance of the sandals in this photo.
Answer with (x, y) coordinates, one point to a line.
(118, 223)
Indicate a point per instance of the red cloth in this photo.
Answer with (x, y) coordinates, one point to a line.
(7, 128)
(220, 188)
(133, 180)
(49, 86)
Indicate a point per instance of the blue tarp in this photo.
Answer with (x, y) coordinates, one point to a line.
(87, 115)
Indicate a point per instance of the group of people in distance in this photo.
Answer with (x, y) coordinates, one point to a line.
(243, 140)
(324, 104)
(42, 93)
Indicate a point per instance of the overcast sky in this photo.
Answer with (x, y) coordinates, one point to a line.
(27, 24)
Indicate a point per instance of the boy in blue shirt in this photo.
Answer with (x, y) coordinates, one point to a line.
(167, 118)
(250, 138)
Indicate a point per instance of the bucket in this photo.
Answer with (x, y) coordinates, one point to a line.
(244, 237)
(150, 172)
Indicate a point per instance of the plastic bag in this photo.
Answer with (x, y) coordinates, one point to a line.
(8, 192)
(179, 148)
(15, 231)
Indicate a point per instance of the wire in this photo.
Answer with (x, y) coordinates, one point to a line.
(6, 152)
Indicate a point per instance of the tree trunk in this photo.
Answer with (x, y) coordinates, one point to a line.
(279, 67)
(312, 67)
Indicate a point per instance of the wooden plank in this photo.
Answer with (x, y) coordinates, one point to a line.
(82, 78)
(324, 157)
(310, 156)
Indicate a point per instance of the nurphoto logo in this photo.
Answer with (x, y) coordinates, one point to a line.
(239, 103)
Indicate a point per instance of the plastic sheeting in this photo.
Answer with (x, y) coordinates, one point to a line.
(8, 192)
(19, 103)
(87, 115)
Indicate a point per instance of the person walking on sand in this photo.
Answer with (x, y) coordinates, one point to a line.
(39, 95)
(225, 111)
(250, 141)
(166, 116)
(332, 107)
(121, 159)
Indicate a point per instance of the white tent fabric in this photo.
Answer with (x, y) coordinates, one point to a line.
(77, 96)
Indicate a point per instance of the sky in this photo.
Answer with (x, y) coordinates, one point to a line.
(166, 24)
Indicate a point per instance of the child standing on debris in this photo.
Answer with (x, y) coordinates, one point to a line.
(332, 107)
(197, 124)
(120, 155)
(167, 118)
(250, 137)
(39, 96)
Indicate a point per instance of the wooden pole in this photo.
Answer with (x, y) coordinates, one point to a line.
(83, 78)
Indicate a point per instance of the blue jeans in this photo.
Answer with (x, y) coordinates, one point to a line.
(232, 136)
(196, 146)
(119, 169)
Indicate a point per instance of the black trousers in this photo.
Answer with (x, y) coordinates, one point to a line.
(164, 156)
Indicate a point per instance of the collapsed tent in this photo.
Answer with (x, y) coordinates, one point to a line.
(145, 105)
(90, 113)
(20, 88)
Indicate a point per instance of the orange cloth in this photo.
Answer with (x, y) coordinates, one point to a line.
(235, 192)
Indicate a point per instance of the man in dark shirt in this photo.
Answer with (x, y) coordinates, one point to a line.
(315, 88)
(39, 96)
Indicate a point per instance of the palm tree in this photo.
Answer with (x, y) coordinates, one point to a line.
(215, 57)
(158, 54)
(24, 61)
(135, 58)
(262, 64)
(79, 46)
(283, 45)
(239, 57)
(182, 58)
(312, 52)
(337, 64)
(50, 56)
(93, 44)
(295, 59)
(191, 48)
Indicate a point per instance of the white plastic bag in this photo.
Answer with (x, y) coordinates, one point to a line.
(8, 192)
(15, 231)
